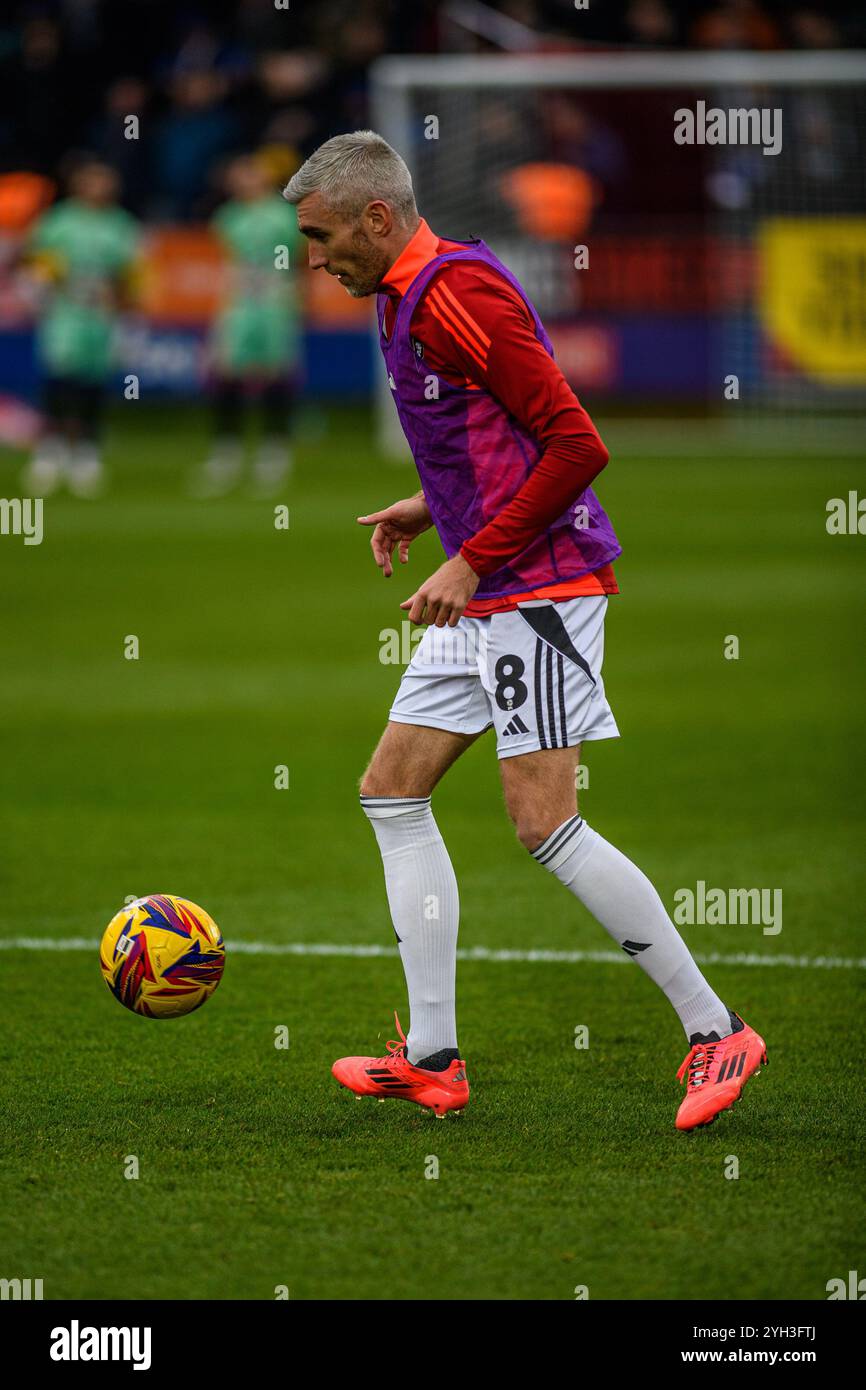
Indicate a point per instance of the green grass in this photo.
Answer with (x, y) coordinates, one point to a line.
(260, 647)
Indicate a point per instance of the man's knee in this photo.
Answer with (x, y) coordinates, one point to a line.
(533, 827)
(386, 771)
(535, 817)
(395, 768)
(379, 779)
(539, 790)
(410, 760)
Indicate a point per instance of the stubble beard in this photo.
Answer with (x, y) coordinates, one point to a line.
(372, 265)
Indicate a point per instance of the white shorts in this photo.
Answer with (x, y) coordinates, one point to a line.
(533, 674)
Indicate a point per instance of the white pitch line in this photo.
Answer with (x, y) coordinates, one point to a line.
(485, 953)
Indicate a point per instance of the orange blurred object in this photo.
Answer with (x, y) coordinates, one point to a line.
(552, 201)
(22, 197)
(182, 275)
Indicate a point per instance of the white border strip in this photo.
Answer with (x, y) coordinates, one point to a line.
(485, 953)
(623, 70)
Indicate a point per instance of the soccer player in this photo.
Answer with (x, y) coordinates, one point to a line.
(256, 334)
(82, 251)
(515, 618)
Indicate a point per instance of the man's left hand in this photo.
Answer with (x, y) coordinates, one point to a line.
(442, 598)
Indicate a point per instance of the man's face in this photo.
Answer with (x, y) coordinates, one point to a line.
(246, 181)
(95, 184)
(350, 250)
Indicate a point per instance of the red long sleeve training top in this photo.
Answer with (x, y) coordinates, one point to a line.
(476, 331)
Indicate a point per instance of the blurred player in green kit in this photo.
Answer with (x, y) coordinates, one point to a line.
(81, 252)
(256, 335)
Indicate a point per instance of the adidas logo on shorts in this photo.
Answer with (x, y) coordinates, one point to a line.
(515, 726)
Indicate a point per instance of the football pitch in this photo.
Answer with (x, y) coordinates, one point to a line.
(259, 648)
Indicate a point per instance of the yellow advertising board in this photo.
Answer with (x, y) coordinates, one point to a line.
(812, 294)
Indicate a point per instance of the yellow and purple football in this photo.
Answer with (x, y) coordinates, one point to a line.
(162, 956)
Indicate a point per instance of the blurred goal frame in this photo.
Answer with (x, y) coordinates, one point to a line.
(394, 78)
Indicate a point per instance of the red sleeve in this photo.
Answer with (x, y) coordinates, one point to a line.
(477, 330)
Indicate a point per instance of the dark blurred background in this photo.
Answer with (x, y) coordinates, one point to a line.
(683, 239)
(208, 79)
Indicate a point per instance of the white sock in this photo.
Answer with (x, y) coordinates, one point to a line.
(47, 465)
(84, 471)
(273, 462)
(627, 905)
(222, 468)
(422, 896)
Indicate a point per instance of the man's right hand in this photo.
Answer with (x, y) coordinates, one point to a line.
(396, 527)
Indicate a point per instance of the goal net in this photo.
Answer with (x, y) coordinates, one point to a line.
(691, 227)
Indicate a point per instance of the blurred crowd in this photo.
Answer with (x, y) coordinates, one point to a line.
(208, 78)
